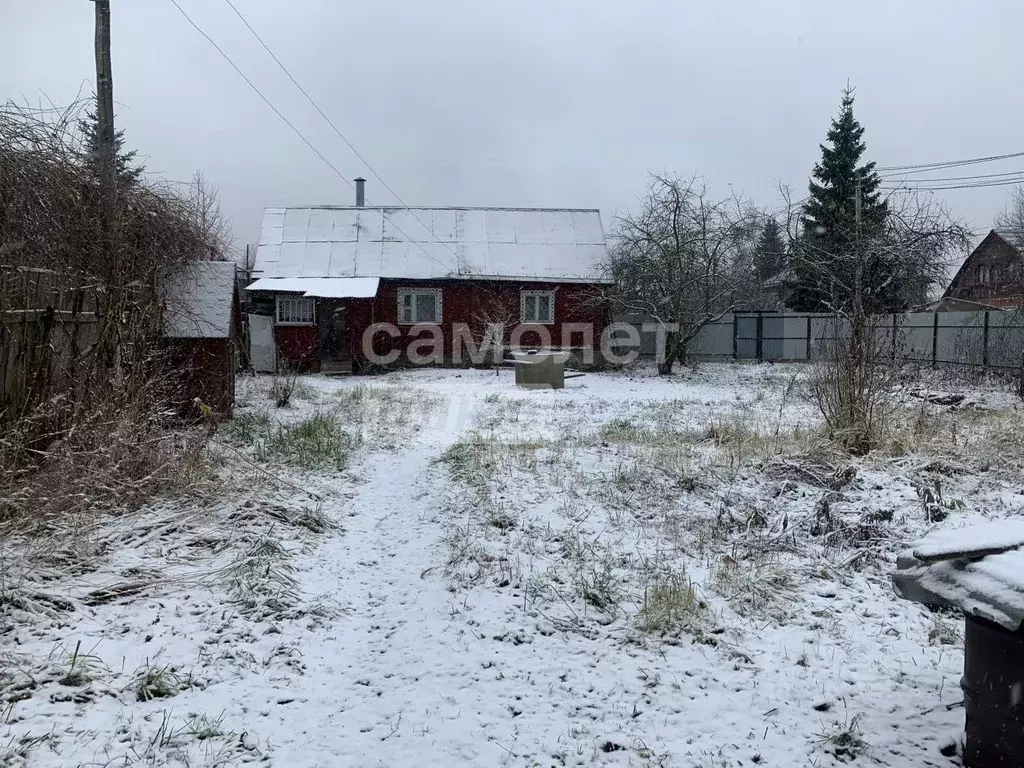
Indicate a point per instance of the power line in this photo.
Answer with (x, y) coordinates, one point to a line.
(260, 93)
(926, 187)
(924, 167)
(1007, 183)
(964, 178)
(335, 128)
(301, 136)
(315, 105)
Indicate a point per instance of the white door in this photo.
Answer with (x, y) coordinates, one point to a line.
(262, 351)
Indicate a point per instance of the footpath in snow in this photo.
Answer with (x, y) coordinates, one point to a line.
(632, 571)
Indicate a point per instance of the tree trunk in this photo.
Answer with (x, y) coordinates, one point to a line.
(671, 354)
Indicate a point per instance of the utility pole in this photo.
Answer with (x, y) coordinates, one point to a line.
(108, 343)
(858, 271)
(105, 103)
(857, 204)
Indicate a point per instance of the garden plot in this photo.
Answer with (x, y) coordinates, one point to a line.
(434, 568)
(736, 562)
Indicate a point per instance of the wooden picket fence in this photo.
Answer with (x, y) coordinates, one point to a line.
(49, 322)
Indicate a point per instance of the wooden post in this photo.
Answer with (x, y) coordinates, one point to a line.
(935, 339)
(984, 343)
(105, 102)
(108, 345)
(808, 356)
(760, 337)
(1020, 380)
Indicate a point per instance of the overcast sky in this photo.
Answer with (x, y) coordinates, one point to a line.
(535, 102)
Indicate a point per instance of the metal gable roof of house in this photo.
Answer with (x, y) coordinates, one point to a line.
(198, 296)
(531, 244)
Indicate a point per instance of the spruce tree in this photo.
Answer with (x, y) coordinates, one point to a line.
(829, 269)
(769, 251)
(127, 171)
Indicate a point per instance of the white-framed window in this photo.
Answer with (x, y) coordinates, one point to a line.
(419, 305)
(295, 310)
(537, 307)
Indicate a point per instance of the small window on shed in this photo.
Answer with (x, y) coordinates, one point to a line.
(294, 310)
(538, 307)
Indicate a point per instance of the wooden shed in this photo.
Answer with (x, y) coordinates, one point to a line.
(202, 327)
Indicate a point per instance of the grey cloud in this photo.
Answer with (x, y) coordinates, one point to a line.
(480, 102)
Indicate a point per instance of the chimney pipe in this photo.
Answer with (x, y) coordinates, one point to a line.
(360, 192)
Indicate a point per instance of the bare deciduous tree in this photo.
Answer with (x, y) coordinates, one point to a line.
(853, 384)
(1011, 221)
(681, 259)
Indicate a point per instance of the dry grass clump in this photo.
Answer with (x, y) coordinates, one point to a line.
(158, 683)
(80, 669)
(671, 605)
(384, 414)
(262, 580)
(476, 459)
(763, 587)
(626, 432)
(124, 451)
(318, 441)
(844, 740)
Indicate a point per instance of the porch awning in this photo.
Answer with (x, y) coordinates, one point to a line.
(320, 287)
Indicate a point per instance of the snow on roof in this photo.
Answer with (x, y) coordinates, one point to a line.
(979, 569)
(1012, 237)
(536, 244)
(198, 296)
(320, 287)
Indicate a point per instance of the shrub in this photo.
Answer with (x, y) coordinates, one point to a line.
(283, 386)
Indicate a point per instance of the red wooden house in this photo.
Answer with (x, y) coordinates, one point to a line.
(339, 287)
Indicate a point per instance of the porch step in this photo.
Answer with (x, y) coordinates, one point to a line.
(336, 367)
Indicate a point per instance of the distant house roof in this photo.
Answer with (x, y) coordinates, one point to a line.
(533, 244)
(198, 298)
(1002, 235)
(953, 304)
(781, 279)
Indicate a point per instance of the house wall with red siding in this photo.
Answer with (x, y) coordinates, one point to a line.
(469, 303)
(476, 303)
(297, 345)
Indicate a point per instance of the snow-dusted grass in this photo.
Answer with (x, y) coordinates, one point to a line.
(435, 568)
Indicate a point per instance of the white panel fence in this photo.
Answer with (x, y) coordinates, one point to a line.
(984, 339)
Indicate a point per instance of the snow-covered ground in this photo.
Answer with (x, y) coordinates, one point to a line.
(435, 568)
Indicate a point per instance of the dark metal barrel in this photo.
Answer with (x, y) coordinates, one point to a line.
(993, 687)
